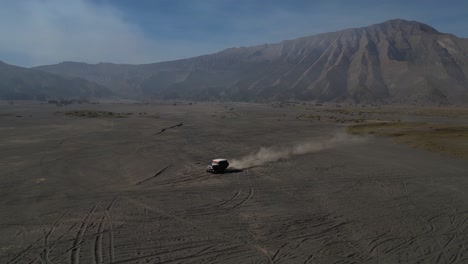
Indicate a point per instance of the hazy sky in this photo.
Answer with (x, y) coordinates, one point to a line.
(37, 32)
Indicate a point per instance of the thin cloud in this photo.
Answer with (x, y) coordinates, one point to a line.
(50, 31)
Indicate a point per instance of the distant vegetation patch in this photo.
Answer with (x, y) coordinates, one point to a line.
(63, 102)
(446, 139)
(94, 114)
(144, 114)
(227, 114)
(331, 118)
(449, 112)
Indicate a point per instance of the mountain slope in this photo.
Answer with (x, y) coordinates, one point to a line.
(17, 83)
(398, 61)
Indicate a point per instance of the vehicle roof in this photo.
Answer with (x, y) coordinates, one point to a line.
(218, 160)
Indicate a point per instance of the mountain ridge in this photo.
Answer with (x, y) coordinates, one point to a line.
(393, 62)
(18, 83)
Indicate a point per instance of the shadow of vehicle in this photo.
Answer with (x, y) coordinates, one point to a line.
(226, 171)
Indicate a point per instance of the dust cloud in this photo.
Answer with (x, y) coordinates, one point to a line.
(271, 154)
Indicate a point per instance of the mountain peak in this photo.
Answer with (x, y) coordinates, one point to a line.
(396, 61)
(406, 26)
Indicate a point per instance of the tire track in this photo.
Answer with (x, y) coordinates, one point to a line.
(249, 196)
(199, 256)
(75, 253)
(187, 180)
(187, 223)
(214, 207)
(442, 248)
(100, 233)
(307, 261)
(154, 176)
(111, 237)
(21, 254)
(205, 250)
(58, 239)
(47, 248)
(278, 252)
(265, 253)
(238, 192)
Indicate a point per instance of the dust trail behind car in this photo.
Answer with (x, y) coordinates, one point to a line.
(271, 154)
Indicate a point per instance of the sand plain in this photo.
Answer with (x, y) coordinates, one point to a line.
(77, 187)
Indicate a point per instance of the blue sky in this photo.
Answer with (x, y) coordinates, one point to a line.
(37, 32)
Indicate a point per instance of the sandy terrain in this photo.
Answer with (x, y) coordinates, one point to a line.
(77, 189)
